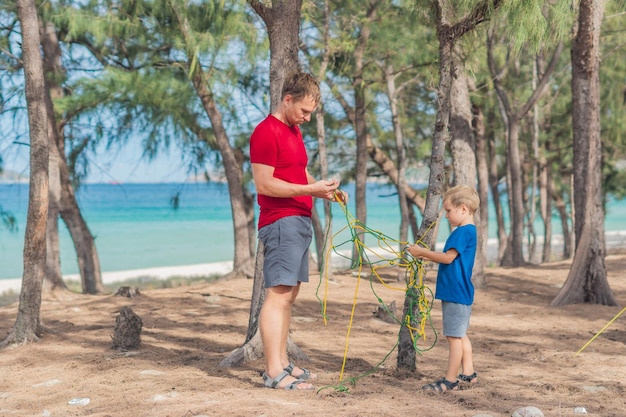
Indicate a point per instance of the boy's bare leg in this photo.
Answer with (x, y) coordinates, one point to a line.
(455, 357)
(467, 362)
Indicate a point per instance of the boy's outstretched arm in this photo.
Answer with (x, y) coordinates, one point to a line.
(420, 252)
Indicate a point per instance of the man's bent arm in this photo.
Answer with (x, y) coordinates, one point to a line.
(267, 184)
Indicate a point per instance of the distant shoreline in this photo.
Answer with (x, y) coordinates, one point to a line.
(614, 240)
(161, 273)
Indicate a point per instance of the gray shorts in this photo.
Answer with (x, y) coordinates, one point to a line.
(456, 318)
(286, 248)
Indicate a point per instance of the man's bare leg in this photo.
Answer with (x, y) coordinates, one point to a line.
(274, 321)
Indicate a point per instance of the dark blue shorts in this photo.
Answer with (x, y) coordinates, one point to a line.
(286, 247)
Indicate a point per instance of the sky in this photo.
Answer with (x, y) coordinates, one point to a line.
(124, 165)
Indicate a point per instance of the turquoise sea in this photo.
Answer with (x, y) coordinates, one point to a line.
(137, 227)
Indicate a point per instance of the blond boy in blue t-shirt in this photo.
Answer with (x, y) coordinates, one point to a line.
(454, 284)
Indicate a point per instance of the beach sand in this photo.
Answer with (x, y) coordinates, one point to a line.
(524, 352)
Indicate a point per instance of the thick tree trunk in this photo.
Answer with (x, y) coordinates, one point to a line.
(283, 27)
(28, 321)
(62, 198)
(464, 157)
(587, 279)
(52, 67)
(282, 21)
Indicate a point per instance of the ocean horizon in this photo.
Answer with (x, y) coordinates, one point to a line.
(156, 225)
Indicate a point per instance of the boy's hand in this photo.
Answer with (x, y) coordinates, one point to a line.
(417, 251)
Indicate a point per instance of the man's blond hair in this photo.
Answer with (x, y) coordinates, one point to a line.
(300, 85)
(463, 195)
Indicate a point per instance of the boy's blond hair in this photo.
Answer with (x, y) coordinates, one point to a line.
(463, 195)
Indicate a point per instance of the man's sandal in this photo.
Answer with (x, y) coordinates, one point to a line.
(293, 386)
(468, 380)
(304, 376)
(441, 386)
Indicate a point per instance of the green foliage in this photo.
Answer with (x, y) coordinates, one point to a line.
(397, 40)
(533, 24)
(143, 60)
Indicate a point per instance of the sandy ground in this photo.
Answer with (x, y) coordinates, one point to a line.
(524, 353)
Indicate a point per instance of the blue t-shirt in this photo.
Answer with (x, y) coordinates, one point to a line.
(454, 280)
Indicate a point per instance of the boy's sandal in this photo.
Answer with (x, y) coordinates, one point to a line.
(304, 376)
(293, 386)
(467, 379)
(438, 386)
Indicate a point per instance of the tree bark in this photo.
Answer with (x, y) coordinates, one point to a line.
(436, 181)
(52, 67)
(28, 325)
(482, 169)
(447, 35)
(283, 26)
(464, 156)
(587, 279)
(514, 253)
(232, 161)
(62, 197)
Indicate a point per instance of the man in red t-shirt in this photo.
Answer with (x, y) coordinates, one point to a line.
(285, 195)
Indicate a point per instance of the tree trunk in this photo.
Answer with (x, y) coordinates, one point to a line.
(282, 21)
(28, 324)
(545, 201)
(52, 67)
(561, 208)
(62, 198)
(392, 95)
(233, 163)
(463, 150)
(587, 279)
(447, 35)
(283, 26)
(514, 253)
(436, 182)
(360, 128)
(482, 168)
(84, 242)
(252, 348)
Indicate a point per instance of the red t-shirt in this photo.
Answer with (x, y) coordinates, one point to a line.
(275, 144)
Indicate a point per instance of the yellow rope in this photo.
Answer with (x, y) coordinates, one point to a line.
(598, 334)
(415, 272)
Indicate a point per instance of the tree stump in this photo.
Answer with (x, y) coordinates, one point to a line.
(389, 315)
(129, 292)
(127, 333)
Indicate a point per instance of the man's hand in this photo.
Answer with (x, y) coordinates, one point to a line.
(325, 189)
(340, 196)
